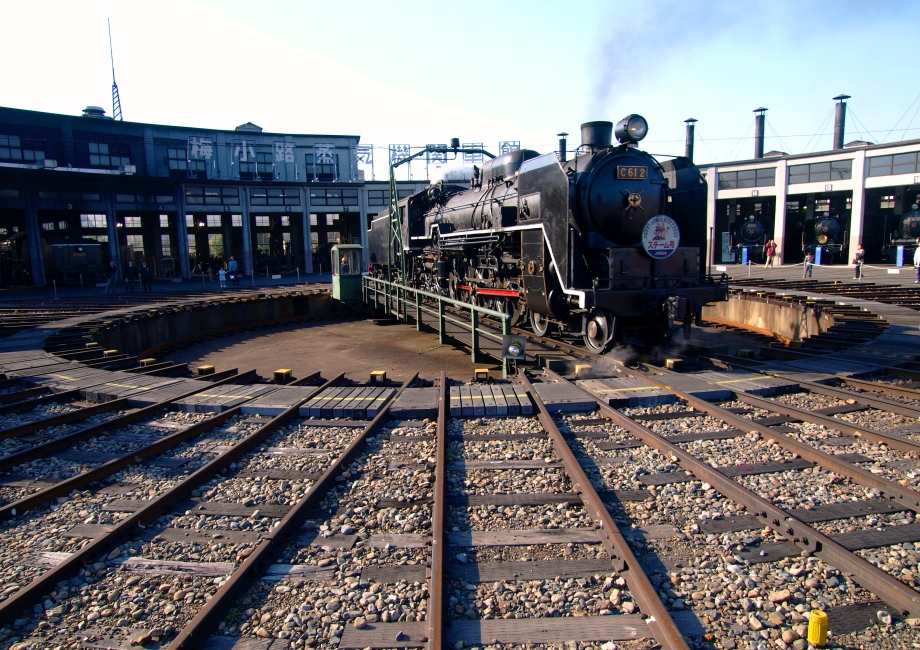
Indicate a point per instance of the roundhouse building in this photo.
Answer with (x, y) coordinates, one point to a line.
(865, 188)
(185, 199)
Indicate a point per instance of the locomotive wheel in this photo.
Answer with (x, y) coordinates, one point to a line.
(598, 333)
(508, 306)
(539, 324)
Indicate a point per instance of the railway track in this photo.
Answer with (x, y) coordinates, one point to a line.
(715, 511)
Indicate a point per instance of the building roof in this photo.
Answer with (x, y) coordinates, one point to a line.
(773, 156)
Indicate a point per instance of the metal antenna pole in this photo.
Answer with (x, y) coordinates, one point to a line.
(116, 100)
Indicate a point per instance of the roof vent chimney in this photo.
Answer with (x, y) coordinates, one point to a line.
(94, 111)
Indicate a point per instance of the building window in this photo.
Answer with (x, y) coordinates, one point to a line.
(401, 194)
(9, 194)
(164, 221)
(822, 206)
(274, 196)
(887, 202)
(236, 220)
(189, 221)
(285, 220)
(230, 196)
(102, 239)
(136, 242)
(132, 222)
(192, 248)
(261, 221)
(263, 242)
(382, 197)
(177, 159)
(213, 220)
(314, 241)
(216, 245)
(902, 163)
(741, 179)
(320, 172)
(62, 225)
(314, 219)
(99, 156)
(165, 245)
(265, 167)
(164, 198)
(836, 170)
(11, 149)
(333, 237)
(48, 226)
(93, 221)
(331, 219)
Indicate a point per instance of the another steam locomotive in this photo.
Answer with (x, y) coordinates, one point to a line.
(906, 235)
(830, 236)
(607, 245)
(752, 237)
(65, 261)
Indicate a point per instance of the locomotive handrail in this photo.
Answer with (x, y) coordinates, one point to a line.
(376, 286)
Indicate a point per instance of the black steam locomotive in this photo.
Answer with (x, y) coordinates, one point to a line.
(590, 246)
(64, 261)
(906, 235)
(752, 237)
(830, 236)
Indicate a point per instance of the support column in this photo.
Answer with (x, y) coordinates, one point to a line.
(858, 208)
(182, 229)
(712, 190)
(33, 232)
(362, 224)
(247, 233)
(779, 213)
(305, 220)
(112, 228)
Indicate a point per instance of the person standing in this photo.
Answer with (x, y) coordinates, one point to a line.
(858, 258)
(770, 251)
(146, 277)
(232, 268)
(222, 276)
(112, 272)
(917, 260)
(130, 276)
(809, 265)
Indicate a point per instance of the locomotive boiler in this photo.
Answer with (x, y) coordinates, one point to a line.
(905, 234)
(606, 245)
(829, 234)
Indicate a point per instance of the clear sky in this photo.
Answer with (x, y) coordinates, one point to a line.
(422, 72)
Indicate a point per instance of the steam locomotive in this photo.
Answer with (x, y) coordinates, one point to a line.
(830, 236)
(752, 236)
(65, 261)
(605, 246)
(906, 234)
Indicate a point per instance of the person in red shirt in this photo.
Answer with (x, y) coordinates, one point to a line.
(770, 251)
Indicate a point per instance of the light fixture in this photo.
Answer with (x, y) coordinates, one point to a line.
(631, 129)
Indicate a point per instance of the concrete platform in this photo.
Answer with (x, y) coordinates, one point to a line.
(697, 387)
(221, 398)
(275, 402)
(564, 398)
(163, 393)
(627, 391)
(416, 403)
(352, 402)
(749, 382)
(125, 385)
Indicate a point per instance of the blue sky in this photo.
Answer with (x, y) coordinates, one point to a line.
(422, 72)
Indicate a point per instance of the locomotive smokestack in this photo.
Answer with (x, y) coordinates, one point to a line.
(688, 147)
(596, 135)
(840, 118)
(759, 121)
(562, 152)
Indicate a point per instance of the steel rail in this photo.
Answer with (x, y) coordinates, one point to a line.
(882, 584)
(63, 418)
(872, 386)
(22, 601)
(905, 496)
(660, 623)
(438, 515)
(64, 442)
(902, 444)
(197, 631)
(113, 466)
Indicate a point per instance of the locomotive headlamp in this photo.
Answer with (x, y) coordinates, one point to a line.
(631, 128)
